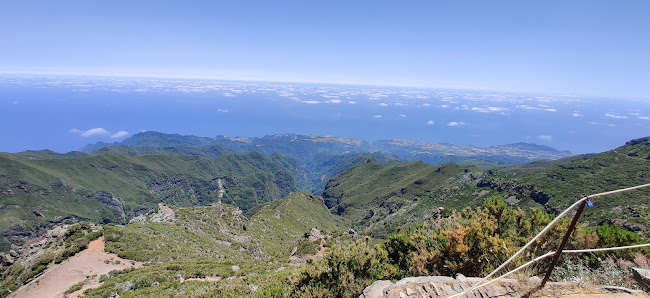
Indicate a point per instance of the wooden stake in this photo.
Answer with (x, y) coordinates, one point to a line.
(558, 252)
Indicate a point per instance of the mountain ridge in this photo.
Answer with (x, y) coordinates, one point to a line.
(432, 153)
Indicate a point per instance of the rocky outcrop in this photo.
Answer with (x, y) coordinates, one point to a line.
(642, 276)
(162, 214)
(444, 286)
(110, 201)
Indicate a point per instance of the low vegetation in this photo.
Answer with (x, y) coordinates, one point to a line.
(472, 242)
(51, 249)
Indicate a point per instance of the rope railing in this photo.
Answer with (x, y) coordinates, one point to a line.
(484, 281)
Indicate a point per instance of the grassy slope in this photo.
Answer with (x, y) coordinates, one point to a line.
(588, 174)
(207, 241)
(378, 198)
(221, 231)
(281, 223)
(35, 192)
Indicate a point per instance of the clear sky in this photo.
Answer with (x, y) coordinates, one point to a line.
(576, 47)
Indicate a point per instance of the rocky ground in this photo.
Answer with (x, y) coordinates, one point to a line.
(442, 286)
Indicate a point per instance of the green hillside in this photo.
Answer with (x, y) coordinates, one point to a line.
(221, 231)
(562, 183)
(314, 159)
(207, 241)
(47, 154)
(379, 198)
(114, 188)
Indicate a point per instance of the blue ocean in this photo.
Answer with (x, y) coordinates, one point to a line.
(65, 113)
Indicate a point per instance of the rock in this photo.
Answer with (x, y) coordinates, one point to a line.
(7, 259)
(57, 232)
(613, 289)
(351, 233)
(234, 268)
(410, 292)
(314, 235)
(642, 276)
(164, 214)
(376, 289)
(253, 288)
(443, 286)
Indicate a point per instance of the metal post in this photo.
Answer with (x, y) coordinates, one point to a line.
(558, 252)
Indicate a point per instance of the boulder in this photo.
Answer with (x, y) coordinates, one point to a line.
(642, 276)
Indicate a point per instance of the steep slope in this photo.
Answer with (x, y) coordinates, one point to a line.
(372, 195)
(280, 224)
(377, 198)
(113, 188)
(215, 250)
(559, 185)
(221, 231)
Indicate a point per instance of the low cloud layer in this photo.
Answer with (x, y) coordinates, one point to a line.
(98, 131)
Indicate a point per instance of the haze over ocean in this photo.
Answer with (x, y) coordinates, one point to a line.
(64, 113)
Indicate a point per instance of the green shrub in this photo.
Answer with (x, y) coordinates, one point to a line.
(75, 287)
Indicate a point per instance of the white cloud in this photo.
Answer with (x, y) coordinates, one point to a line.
(426, 105)
(430, 122)
(334, 101)
(377, 116)
(403, 116)
(74, 130)
(399, 104)
(614, 116)
(527, 107)
(15, 102)
(577, 115)
(545, 138)
(94, 132)
(550, 110)
(489, 109)
(611, 125)
(644, 118)
(455, 124)
(444, 106)
(383, 104)
(352, 102)
(223, 111)
(119, 134)
(635, 114)
(311, 102)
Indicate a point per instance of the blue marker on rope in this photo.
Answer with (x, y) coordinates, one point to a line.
(590, 203)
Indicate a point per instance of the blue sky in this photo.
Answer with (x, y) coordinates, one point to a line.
(595, 48)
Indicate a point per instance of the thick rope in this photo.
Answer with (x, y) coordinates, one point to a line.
(482, 282)
(606, 249)
(544, 256)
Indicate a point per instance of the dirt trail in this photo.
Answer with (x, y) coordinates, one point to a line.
(56, 280)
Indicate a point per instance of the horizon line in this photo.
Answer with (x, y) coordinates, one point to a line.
(297, 81)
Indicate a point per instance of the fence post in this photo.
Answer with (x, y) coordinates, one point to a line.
(558, 252)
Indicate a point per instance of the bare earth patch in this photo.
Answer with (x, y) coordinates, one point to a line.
(91, 262)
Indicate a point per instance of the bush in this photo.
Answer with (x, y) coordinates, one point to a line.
(345, 271)
(75, 287)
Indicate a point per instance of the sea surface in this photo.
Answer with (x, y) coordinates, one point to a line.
(65, 113)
